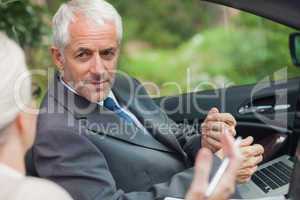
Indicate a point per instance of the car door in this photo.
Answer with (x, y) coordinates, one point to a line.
(264, 110)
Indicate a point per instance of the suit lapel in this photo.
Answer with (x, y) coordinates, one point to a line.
(140, 104)
(107, 123)
(100, 120)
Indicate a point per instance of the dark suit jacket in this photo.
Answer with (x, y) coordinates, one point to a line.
(89, 151)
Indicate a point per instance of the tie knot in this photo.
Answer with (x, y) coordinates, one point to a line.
(110, 104)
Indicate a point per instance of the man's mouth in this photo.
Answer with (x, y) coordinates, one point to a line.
(98, 82)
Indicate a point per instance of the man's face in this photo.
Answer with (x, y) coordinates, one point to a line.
(90, 59)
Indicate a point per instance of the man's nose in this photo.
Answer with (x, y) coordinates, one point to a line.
(98, 66)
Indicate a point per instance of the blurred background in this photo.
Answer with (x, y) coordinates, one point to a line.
(173, 46)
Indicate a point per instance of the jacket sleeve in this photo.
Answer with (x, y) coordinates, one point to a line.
(75, 163)
(189, 137)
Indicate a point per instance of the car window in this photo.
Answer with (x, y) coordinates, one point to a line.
(213, 48)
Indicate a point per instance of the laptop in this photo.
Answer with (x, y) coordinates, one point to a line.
(271, 179)
(279, 177)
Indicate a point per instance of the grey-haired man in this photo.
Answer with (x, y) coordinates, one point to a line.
(100, 135)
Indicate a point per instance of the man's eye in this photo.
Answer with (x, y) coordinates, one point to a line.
(107, 55)
(83, 54)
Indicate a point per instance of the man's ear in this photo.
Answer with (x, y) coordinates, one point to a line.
(57, 58)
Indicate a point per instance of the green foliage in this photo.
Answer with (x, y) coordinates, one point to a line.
(22, 21)
(244, 52)
(165, 23)
(28, 25)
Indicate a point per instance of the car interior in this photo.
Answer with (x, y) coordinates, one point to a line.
(267, 110)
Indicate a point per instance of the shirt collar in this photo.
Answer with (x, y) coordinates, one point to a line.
(8, 171)
(110, 94)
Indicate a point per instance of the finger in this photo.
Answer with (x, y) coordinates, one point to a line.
(243, 180)
(254, 150)
(259, 149)
(247, 141)
(246, 172)
(247, 151)
(202, 169)
(217, 126)
(223, 117)
(214, 125)
(251, 162)
(216, 135)
(213, 110)
(204, 142)
(213, 143)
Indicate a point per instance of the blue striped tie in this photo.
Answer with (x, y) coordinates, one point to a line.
(110, 104)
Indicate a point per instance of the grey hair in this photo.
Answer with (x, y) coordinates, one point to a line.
(99, 11)
(15, 81)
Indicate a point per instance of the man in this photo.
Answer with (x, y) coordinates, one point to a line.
(17, 130)
(100, 135)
